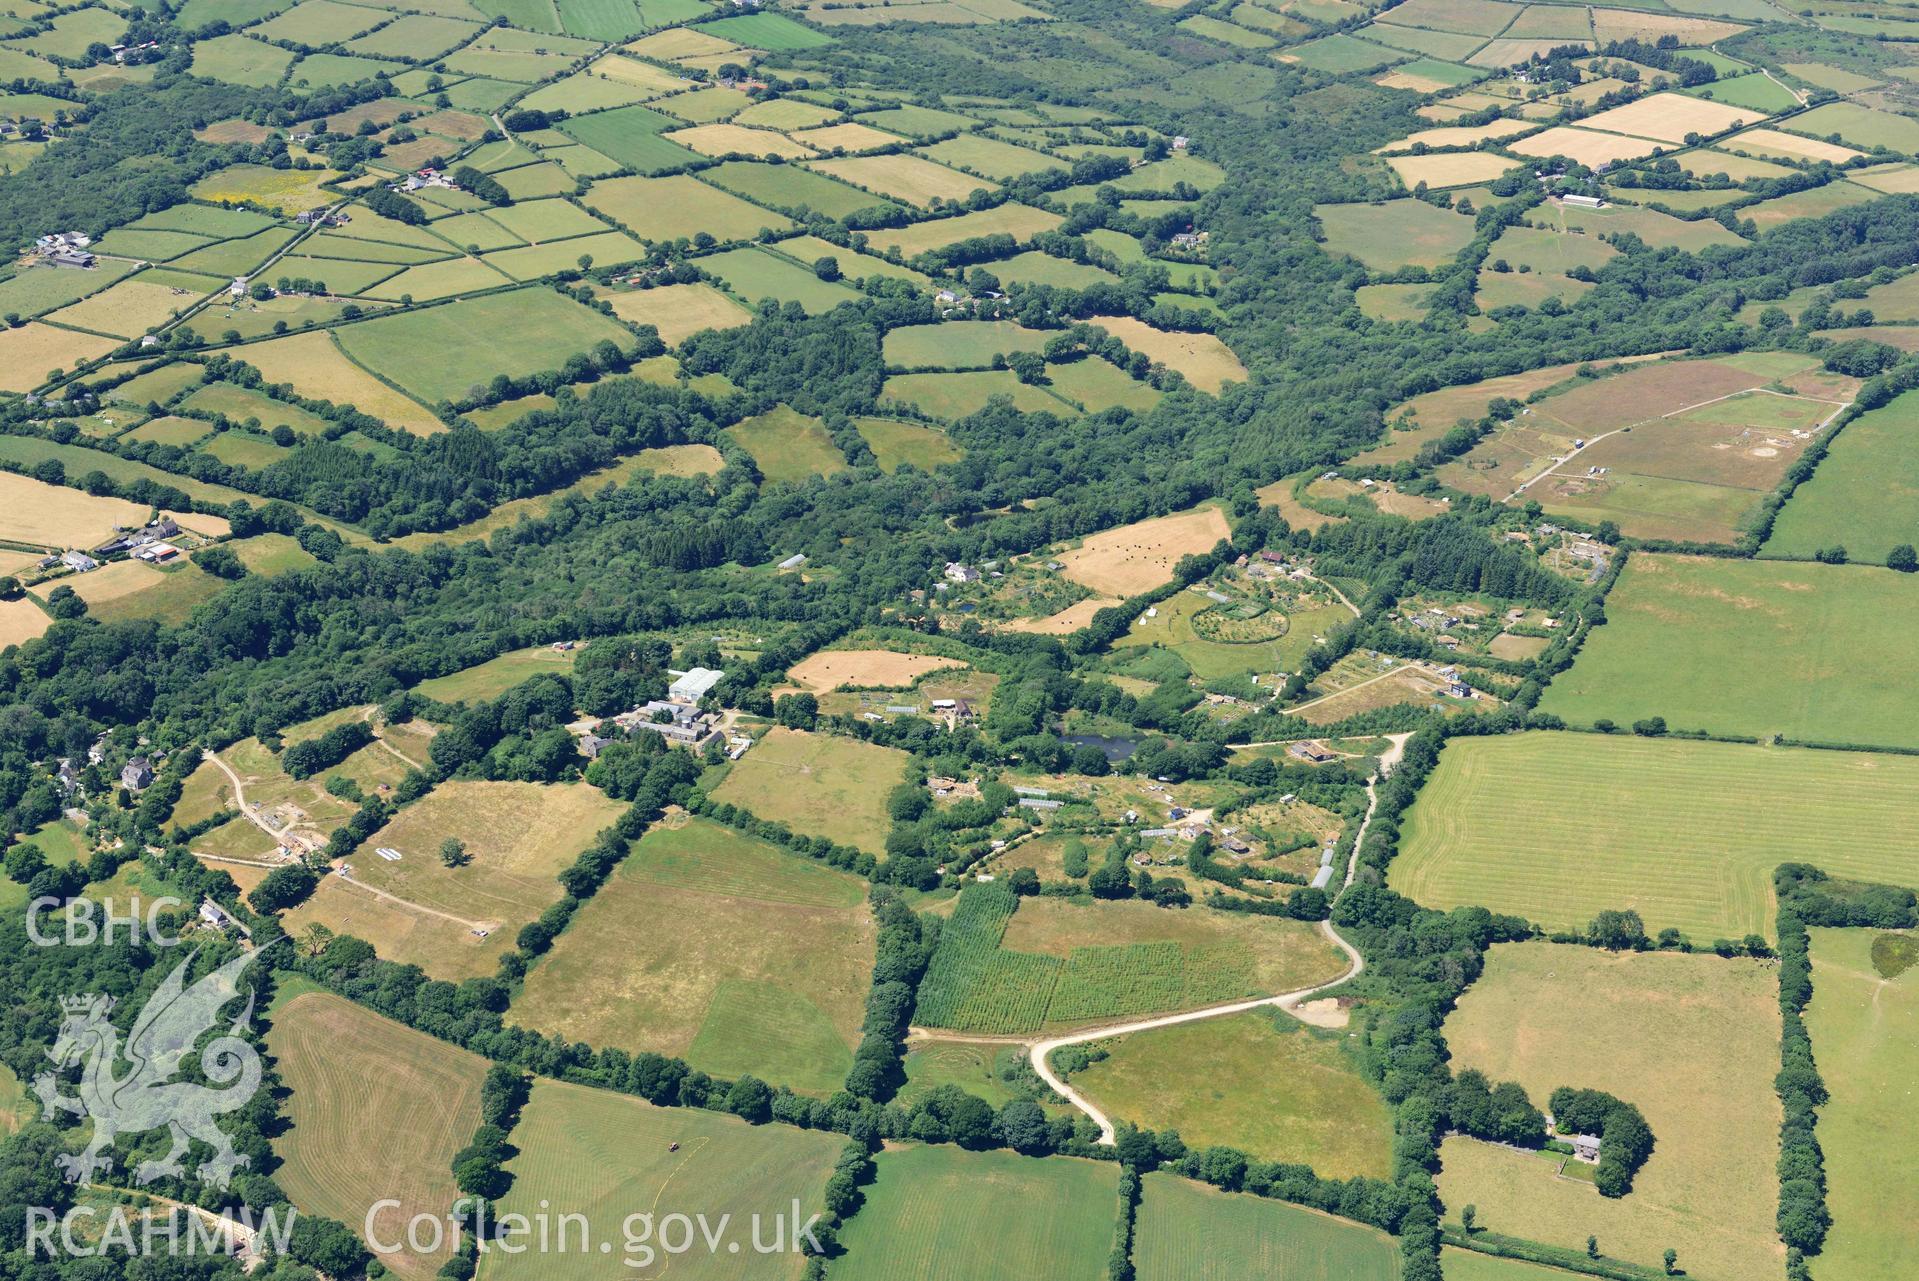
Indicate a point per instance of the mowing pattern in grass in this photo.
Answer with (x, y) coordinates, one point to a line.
(1188, 1231)
(1815, 652)
(1556, 827)
(606, 1156)
(1692, 1041)
(1865, 1035)
(925, 1211)
(377, 1111)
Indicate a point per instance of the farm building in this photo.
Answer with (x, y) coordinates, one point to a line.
(137, 774)
(693, 684)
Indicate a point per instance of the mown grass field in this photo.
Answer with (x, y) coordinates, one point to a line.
(376, 1112)
(1864, 496)
(926, 1213)
(1172, 628)
(896, 444)
(609, 1156)
(1692, 1041)
(1006, 967)
(44, 515)
(1557, 827)
(1865, 1036)
(1396, 233)
(1814, 652)
(819, 784)
(497, 675)
(719, 948)
(1188, 1231)
(1272, 1087)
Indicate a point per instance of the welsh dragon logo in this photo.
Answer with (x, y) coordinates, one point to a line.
(147, 1097)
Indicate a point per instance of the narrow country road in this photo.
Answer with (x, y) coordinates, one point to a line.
(1355, 963)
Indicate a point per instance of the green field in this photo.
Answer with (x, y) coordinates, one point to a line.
(496, 676)
(631, 136)
(926, 1211)
(766, 31)
(1173, 630)
(678, 207)
(608, 1156)
(445, 352)
(1272, 1087)
(1691, 1041)
(1006, 966)
(1557, 827)
(721, 949)
(377, 1111)
(1188, 1231)
(959, 395)
(1394, 233)
(959, 344)
(1339, 54)
(896, 444)
(243, 404)
(791, 188)
(1807, 651)
(757, 275)
(818, 784)
(1865, 1036)
(1864, 496)
(787, 445)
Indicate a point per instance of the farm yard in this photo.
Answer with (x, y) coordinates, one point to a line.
(1692, 1041)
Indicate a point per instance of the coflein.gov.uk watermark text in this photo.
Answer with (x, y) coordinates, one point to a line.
(642, 1238)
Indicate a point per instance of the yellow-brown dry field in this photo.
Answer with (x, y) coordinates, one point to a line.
(1139, 557)
(1207, 363)
(678, 311)
(109, 582)
(726, 140)
(849, 136)
(1457, 135)
(316, 367)
(1585, 145)
(1626, 24)
(1669, 117)
(29, 353)
(45, 515)
(910, 178)
(1450, 168)
(1064, 623)
(1772, 142)
(20, 621)
(864, 669)
(1691, 1040)
(126, 310)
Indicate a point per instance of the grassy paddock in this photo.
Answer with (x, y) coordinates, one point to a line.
(720, 948)
(1814, 652)
(377, 1111)
(1272, 1087)
(1692, 1041)
(1864, 1029)
(1557, 827)
(1188, 1231)
(819, 784)
(925, 1211)
(607, 1156)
